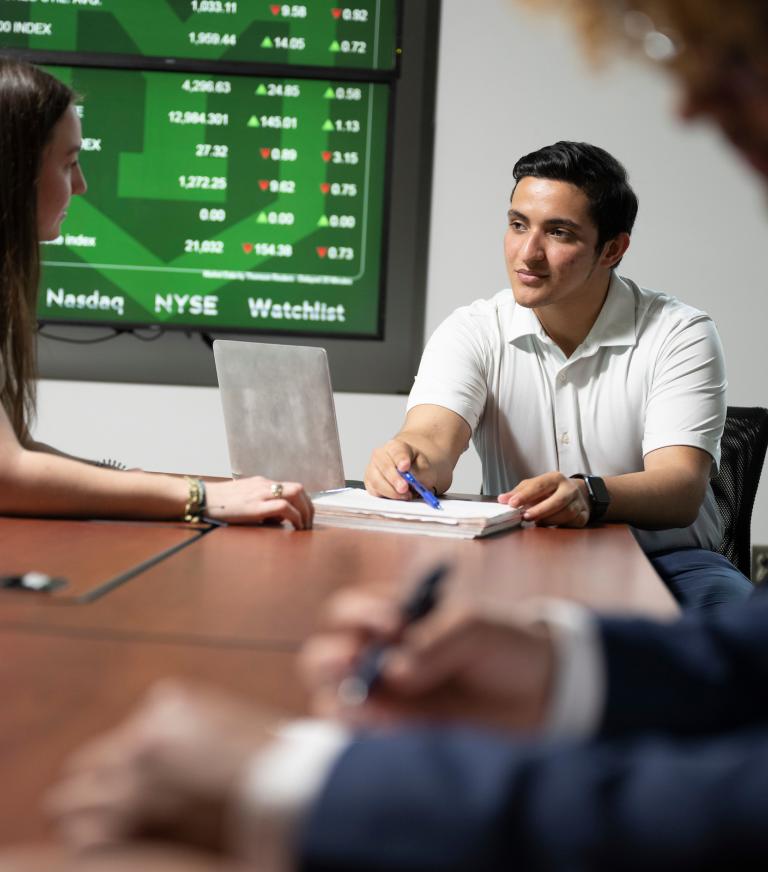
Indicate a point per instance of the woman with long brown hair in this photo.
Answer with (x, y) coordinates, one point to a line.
(40, 140)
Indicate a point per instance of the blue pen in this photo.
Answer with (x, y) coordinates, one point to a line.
(429, 498)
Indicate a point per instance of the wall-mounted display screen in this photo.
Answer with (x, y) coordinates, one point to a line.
(358, 35)
(256, 169)
(223, 203)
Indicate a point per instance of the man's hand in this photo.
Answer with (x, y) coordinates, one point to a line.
(429, 445)
(139, 857)
(382, 478)
(551, 499)
(170, 770)
(456, 664)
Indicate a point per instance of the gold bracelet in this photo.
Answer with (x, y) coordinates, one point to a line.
(195, 506)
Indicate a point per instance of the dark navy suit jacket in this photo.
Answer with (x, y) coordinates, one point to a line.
(677, 778)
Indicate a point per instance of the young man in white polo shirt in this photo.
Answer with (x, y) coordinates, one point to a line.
(587, 397)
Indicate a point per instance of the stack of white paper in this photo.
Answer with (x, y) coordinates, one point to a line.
(458, 518)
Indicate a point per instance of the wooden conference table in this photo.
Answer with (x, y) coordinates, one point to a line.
(230, 607)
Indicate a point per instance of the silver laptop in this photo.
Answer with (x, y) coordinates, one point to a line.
(279, 413)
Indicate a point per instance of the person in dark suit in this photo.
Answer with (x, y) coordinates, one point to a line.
(673, 776)
(673, 773)
(453, 800)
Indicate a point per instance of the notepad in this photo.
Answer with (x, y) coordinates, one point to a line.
(462, 519)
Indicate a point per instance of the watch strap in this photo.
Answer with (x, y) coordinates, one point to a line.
(597, 492)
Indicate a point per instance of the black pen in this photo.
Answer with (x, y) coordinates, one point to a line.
(355, 689)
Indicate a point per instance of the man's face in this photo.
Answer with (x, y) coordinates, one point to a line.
(549, 246)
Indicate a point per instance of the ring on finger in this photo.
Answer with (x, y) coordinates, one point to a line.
(276, 490)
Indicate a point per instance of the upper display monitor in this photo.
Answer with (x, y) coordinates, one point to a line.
(359, 35)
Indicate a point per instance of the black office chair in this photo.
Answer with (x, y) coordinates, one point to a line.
(742, 451)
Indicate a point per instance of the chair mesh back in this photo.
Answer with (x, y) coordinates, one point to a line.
(742, 453)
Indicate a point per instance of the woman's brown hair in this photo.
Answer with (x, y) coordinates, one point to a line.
(31, 104)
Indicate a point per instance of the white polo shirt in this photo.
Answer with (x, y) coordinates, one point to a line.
(649, 374)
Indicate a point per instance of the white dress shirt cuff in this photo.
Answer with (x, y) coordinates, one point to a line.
(578, 697)
(279, 784)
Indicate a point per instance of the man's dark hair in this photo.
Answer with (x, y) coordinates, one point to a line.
(612, 202)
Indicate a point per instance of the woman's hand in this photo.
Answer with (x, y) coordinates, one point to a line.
(257, 499)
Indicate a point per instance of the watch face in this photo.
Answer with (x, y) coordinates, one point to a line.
(599, 490)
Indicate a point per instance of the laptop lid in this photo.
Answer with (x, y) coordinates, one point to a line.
(279, 413)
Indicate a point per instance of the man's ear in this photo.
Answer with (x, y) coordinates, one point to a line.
(614, 250)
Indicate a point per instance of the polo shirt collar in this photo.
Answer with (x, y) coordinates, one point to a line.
(524, 323)
(615, 325)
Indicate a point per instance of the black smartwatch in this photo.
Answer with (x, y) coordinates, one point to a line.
(599, 498)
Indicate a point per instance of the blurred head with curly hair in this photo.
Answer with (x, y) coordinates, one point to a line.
(717, 51)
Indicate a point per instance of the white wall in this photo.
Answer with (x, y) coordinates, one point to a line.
(181, 429)
(509, 81)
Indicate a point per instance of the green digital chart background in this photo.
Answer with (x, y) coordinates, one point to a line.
(324, 33)
(227, 202)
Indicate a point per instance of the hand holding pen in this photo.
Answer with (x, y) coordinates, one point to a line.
(397, 469)
(357, 687)
(461, 661)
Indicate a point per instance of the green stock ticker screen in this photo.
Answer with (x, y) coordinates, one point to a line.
(319, 33)
(223, 202)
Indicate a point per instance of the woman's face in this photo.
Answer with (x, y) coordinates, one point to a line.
(60, 175)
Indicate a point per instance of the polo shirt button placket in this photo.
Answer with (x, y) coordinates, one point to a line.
(563, 414)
